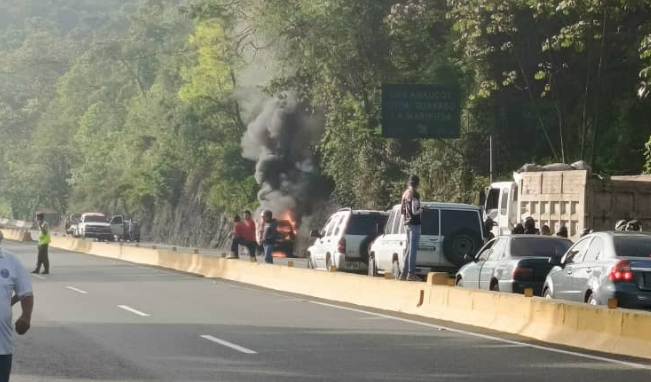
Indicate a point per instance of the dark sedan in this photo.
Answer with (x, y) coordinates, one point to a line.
(512, 263)
(602, 266)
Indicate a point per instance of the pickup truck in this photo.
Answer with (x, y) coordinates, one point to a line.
(124, 230)
(94, 226)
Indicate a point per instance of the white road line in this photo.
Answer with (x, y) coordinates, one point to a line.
(77, 290)
(228, 344)
(493, 338)
(134, 311)
(39, 276)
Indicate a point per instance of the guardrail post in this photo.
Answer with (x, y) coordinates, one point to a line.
(388, 276)
(332, 269)
(528, 292)
(137, 245)
(173, 249)
(290, 264)
(437, 278)
(452, 282)
(253, 259)
(196, 252)
(154, 246)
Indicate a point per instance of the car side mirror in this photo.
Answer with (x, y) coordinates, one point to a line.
(556, 261)
(315, 233)
(468, 258)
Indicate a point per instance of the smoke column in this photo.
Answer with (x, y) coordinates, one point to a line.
(279, 140)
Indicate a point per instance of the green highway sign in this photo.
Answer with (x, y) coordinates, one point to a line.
(420, 111)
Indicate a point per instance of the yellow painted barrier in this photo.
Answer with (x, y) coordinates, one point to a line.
(16, 234)
(617, 331)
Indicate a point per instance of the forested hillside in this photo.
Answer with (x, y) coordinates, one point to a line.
(141, 106)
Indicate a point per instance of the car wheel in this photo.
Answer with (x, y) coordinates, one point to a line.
(548, 294)
(457, 245)
(395, 269)
(459, 282)
(372, 269)
(495, 287)
(328, 263)
(592, 300)
(310, 263)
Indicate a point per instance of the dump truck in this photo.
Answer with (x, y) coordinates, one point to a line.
(576, 199)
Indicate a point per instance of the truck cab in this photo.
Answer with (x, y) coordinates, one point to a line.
(502, 206)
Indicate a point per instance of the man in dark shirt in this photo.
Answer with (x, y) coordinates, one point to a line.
(269, 236)
(411, 212)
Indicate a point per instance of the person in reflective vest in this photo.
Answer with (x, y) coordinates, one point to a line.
(44, 240)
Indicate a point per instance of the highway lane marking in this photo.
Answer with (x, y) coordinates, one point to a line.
(39, 276)
(492, 338)
(77, 290)
(228, 344)
(134, 311)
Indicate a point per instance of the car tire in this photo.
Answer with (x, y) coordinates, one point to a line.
(363, 249)
(372, 269)
(328, 263)
(395, 269)
(592, 300)
(310, 263)
(547, 293)
(495, 286)
(459, 282)
(458, 244)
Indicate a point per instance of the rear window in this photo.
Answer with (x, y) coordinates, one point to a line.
(634, 246)
(538, 247)
(453, 221)
(95, 219)
(430, 222)
(364, 225)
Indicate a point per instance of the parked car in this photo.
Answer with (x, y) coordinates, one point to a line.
(449, 231)
(95, 226)
(601, 266)
(512, 263)
(344, 240)
(126, 230)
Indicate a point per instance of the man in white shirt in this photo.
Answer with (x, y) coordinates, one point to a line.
(15, 282)
(411, 213)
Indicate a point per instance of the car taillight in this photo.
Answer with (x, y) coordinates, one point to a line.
(522, 274)
(341, 246)
(621, 272)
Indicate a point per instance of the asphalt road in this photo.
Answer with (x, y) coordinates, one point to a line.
(102, 320)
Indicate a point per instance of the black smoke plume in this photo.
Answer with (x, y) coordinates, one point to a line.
(280, 141)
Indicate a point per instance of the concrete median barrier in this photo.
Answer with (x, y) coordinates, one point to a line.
(617, 331)
(16, 234)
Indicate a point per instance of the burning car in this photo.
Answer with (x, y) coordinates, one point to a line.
(286, 239)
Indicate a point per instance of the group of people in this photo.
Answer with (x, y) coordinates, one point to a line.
(529, 228)
(256, 239)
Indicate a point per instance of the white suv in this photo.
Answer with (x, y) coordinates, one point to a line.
(448, 232)
(344, 240)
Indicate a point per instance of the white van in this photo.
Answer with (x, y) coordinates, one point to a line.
(449, 232)
(344, 240)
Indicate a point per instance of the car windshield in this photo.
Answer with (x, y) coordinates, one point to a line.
(365, 224)
(538, 247)
(633, 246)
(95, 219)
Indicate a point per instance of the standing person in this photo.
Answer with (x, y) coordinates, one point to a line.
(237, 236)
(411, 211)
(488, 230)
(518, 229)
(44, 240)
(530, 227)
(545, 230)
(269, 236)
(562, 232)
(13, 279)
(259, 234)
(249, 233)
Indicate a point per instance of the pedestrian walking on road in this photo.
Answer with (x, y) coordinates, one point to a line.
(44, 240)
(411, 212)
(562, 232)
(13, 280)
(269, 236)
